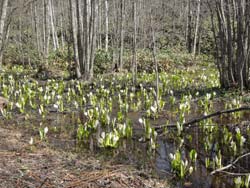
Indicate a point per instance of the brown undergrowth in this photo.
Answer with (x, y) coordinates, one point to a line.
(38, 165)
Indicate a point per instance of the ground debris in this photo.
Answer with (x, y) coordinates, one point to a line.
(45, 167)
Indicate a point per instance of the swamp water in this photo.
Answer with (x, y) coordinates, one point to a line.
(62, 135)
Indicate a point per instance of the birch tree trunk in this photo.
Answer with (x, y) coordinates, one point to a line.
(79, 18)
(2, 23)
(106, 25)
(46, 31)
(87, 15)
(53, 28)
(99, 24)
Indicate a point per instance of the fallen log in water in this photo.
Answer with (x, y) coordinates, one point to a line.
(199, 119)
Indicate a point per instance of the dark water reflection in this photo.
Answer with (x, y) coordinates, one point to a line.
(200, 178)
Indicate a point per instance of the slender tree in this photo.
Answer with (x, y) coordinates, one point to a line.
(93, 25)
(106, 25)
(189, 27)
(2, 24)
(134, 42)
(74, 32)
(52, 24)
(231, 30)
(87, 39)
(46, 31)
(197, 24)
(121, 33)
(155, 59)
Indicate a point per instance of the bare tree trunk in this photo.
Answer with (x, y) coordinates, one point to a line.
(106, 25)
(121, 33)
(232, 42)
(46, 31)
(173, 19)
(74, 32)
(197, 26)
(99, 23)
(2, 23)
(189, 28)
(90, 23)
(155, 60)
(61, 24)
(62, 32)
(53, 28)
(80, 34)
(114, 37)
(20, 39)
(134, 43)
(5, 40)
(35, 21)
(230, 49)
(87, 15)
(93, 37)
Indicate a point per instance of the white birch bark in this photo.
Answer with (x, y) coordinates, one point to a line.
(2, 23)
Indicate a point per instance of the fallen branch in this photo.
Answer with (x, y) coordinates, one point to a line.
(197, 120)
(222, 169)
(234, 174)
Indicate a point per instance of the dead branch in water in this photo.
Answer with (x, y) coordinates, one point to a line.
(222, 169)
(197, 120)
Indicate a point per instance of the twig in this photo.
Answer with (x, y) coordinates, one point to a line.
(44, 181)
(230, 165)
(94, 176)
(234, 174)
(218, 113)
